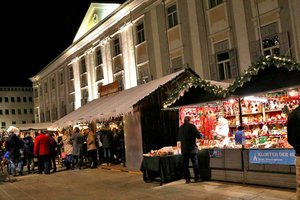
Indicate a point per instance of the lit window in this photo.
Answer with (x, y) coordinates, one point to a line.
(140, 33)
(224, 66)
(271, 46)
(172, 16)
(214, 3)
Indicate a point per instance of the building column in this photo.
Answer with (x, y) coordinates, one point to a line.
(195, 40)
(294, 6)
(90, 73)
(241, 34)
(128, 57)
(77, 88)
(107, 61)
(57, 84)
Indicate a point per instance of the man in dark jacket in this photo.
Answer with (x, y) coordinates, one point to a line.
(293, 130)
(187, 136)
(28, 152)
(77, 152)
(106, 137)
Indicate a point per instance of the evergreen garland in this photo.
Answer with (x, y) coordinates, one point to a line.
(194, 82)
(264, 62)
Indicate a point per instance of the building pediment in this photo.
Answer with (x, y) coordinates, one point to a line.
(96, 13)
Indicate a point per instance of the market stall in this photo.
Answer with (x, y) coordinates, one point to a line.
(145, 125)
(259, 100)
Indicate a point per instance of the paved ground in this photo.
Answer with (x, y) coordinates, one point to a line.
(103, 184)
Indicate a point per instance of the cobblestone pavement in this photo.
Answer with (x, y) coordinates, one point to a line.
(102, 184)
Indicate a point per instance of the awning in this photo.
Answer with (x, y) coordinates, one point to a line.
(113, 105)
(37, 126)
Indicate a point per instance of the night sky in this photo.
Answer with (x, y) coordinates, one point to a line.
(36, 32)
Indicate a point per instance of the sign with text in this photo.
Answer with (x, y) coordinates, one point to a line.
(276, 157)
(111, 88)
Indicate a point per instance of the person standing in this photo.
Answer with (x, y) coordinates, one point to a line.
(77, 152)
(239, 136)
(293, 131)
(106, 136)
(68, 148)
(53, 152)
(28, 152)
(42, 148)
(187, 136)
(91, 147)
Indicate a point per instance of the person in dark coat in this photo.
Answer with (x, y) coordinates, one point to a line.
(187, 136)
(78, 140)
(293, 131)
(106, 137)
(42, 149)
(28, 152)
(14, 144)
(53, 152)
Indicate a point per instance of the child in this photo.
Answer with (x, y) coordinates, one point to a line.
(240, 136)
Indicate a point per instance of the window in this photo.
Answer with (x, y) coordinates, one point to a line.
(52, 83)
(13, 122)
(12, 99)
(25, 111)
(117, 49)
(71, 75)
(31, 111)
(119, 78)
(18, 99)
(85, 96)
(1, 112)
(46, 87)
(83, 80)
(30, 99)
(61, 77)
(140, 33)
(19, 112)
(0, 99)
(3, 124)
(23, 122)
(13, 111)
(36, 93)
(99, 73)
(214, 3)
(223, 63)
(98, 57)
(6, 111)
(177, 64)
(82, 66)
(6, 99)
(33, 121)
(271, 46)
(24, 99)
(172, 16)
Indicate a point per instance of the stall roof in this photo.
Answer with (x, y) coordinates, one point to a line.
(116, 104)
(35, 126)
(268, 74)
(196, 91)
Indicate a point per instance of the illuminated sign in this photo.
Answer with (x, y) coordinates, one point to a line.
(275, 157)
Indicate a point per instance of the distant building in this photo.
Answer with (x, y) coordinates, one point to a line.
(140, 40)
(16, 106)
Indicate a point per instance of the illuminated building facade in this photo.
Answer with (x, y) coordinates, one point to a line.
(16, 106)
(140, 40)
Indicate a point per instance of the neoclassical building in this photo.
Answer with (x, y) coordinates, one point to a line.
(142, 40)
(16, 106)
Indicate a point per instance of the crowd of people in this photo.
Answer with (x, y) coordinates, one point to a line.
(72, 148)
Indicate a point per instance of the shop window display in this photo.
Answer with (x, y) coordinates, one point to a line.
(264, 119)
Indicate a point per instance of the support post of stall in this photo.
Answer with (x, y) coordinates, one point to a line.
(242, 150)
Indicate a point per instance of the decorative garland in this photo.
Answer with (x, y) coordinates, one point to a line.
(194, 82)
(264, 62)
